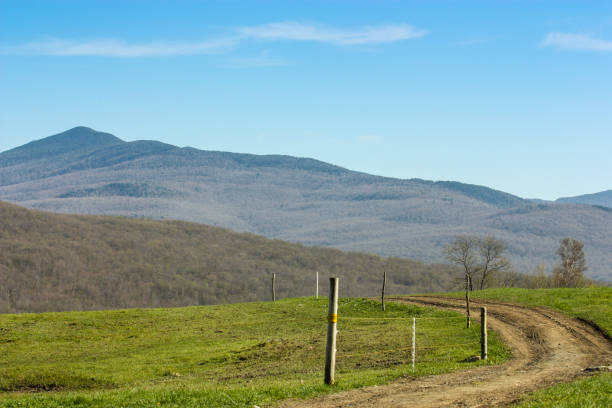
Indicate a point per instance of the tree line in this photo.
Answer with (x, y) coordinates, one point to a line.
(484, 264)
(482, 261)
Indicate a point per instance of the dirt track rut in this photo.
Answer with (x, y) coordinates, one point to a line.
(547, 347)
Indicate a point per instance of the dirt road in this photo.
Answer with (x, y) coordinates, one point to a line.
(547, 347)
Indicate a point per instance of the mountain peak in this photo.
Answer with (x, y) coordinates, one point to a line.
(77, 138)
(80, 136)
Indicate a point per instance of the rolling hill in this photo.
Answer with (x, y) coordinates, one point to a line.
(295, 199)
(54, 262)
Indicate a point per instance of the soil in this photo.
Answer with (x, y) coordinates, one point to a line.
(548, 348)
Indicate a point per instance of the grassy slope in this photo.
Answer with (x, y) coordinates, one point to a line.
(230, 355)
(593, 392)
(592, 304)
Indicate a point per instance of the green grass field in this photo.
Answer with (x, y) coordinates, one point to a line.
(591, 304)
(236, 355)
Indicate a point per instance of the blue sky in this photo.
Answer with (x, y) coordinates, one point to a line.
(514, 95)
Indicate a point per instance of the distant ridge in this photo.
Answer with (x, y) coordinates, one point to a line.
(603, 198)
(295, 199)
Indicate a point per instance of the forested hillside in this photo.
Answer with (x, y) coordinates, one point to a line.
(52, 262)
(294, 199)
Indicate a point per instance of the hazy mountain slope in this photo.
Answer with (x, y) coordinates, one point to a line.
(60, 262)
(603, 198)
(303, 200)
(484, 194)
(77, 139)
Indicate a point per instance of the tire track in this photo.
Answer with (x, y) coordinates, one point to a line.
(548, 348)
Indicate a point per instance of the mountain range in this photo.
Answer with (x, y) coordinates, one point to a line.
(295, 199)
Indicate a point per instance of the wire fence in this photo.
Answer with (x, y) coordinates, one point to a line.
(431, 339)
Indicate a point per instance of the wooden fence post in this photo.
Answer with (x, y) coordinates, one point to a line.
(413, 341)
(332, 321)
(317, 290)
(483, 334)
(467, 298)
(382, 296)
(273, 288)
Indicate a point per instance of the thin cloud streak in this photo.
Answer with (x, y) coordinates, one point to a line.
(293, 31)
(283, 31)
(116, 48)
(577, 42)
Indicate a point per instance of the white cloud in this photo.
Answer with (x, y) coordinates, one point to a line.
(571, 41)
(289, 31)
(294, 31)
(116, 48)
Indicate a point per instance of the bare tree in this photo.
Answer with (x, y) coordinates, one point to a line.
(463, 252)
(480, 258)
(570, 272)
(491, 260)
